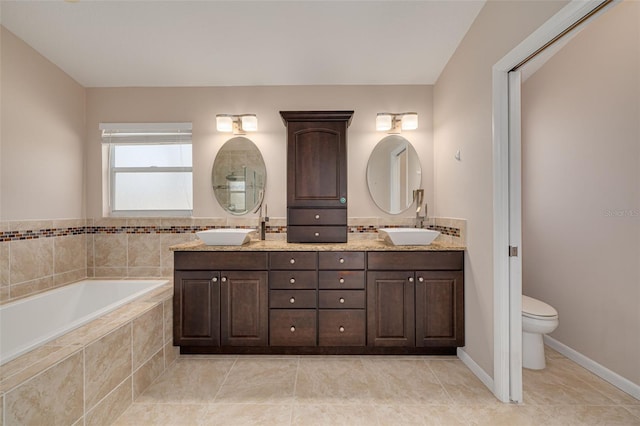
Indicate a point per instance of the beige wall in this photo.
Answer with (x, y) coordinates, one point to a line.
(42, 137)
(200, 105)
(581, 190)
(462, 121)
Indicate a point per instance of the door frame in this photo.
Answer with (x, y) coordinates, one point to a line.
(507, 221)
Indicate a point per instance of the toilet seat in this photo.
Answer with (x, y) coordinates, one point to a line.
(534, 308)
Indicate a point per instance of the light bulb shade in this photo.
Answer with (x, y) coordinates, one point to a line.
(224, 123)
(249, 122)
(409, 121)
(383, 122)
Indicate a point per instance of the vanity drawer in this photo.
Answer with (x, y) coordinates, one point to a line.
(293, 260)
(407, 260)
(317, 234)
(341, 279)
(212, 260)
(341, 299)
(341, 260)
(289, 327)
(293, 279)
(317, 217)
(342, 328)
(292, 299)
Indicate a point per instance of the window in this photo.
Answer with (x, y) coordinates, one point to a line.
(150, 169)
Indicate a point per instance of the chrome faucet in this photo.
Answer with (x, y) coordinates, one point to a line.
(418, 196)
(262, 220)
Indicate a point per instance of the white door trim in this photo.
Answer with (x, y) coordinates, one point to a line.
(502, 294)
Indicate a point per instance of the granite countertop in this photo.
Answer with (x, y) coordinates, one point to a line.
(354, 245)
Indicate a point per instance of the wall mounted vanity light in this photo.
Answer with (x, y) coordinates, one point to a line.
(392, 122)
(238, 124)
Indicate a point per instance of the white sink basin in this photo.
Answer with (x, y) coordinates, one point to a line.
(408, 236)
(225, 237)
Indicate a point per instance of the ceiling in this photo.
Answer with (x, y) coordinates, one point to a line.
(109, 43)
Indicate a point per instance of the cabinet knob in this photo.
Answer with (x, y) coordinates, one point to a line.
(292, 261)
(317, 216)
(410, 279)
(317, 234)
(293, 328)
(341, 300)
(341, 260)
(420, 279)
(341, 329)
(292, 300)
(224, 279)
(341, 280)
(292, 280)
(214, 279)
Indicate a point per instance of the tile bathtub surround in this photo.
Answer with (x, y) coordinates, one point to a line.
(363, 390)
(91, 374)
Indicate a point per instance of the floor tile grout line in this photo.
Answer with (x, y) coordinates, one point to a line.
(295, 387)
(444, 388)
(215, 397)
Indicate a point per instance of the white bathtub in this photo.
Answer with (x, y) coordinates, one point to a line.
(30, 322)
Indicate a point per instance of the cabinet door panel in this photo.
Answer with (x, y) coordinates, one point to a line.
(196, 308)
(316, 164)
(244, 310)
(390, 309)
(439, 309)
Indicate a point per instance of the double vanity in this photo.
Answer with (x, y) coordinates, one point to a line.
(359, 297)
(320, 292)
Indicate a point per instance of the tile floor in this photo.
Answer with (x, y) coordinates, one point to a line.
(363, 390)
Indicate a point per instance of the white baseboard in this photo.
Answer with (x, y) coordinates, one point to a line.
(475, 369)
(599, 370)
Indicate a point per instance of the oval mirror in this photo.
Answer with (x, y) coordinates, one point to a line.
(239, 176)
(393, 173)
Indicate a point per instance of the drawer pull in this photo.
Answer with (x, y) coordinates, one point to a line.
(292, 261)
(292, 300)
(224, 279)
(292, 280)
(410, 279)
(317, 234)
(293, 328)
(421, 279)
(341, 260)
(341, 300)
(214, 279)
(341, 329)
(341, 280)
(317, 216)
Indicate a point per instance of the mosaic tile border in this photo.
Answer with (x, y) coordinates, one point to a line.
(105, 230)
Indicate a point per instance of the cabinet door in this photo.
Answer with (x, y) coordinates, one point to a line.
(390, 308)
(244, 309)
(316, 164)
(196, 308)
(439, 308)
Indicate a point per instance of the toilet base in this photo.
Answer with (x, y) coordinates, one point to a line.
(533, 351)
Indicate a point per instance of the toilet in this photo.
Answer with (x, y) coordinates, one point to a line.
(538, 319)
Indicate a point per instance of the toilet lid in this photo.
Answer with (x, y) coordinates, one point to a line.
(535, 307)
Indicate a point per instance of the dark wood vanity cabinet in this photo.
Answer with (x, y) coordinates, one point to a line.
(408, 306)
(220, 298)
(323, 302)
(316, 175)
